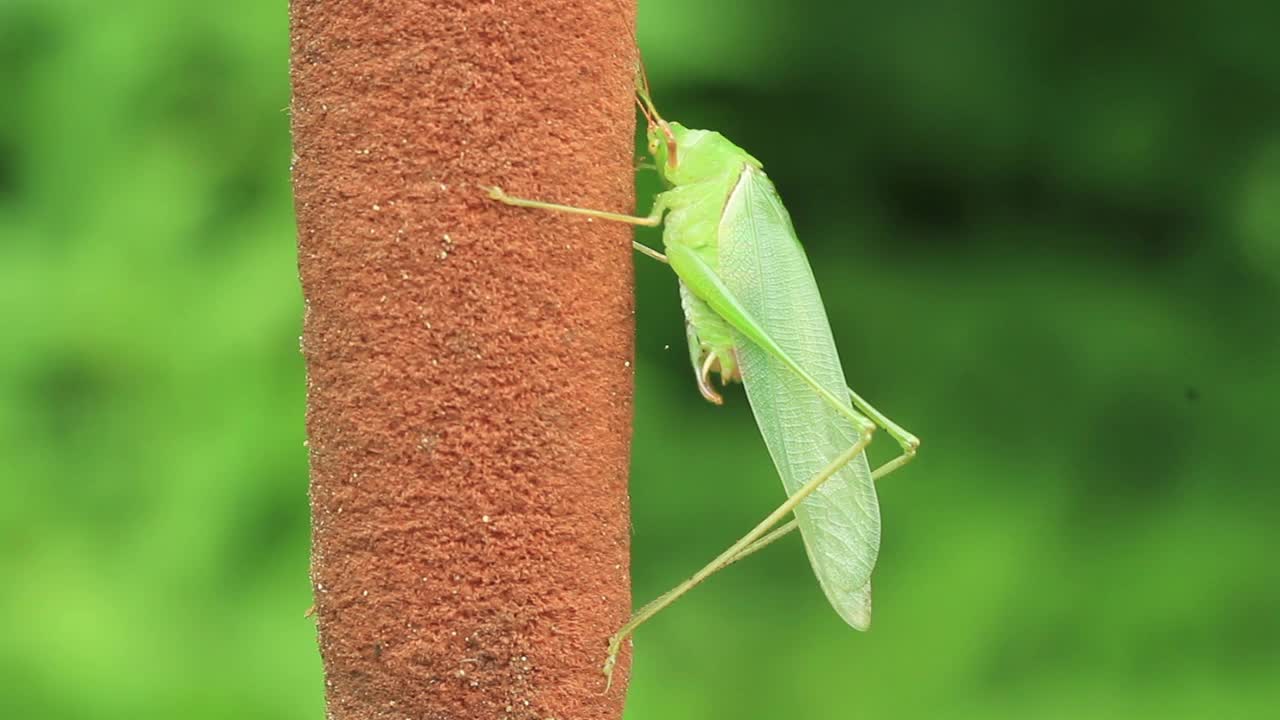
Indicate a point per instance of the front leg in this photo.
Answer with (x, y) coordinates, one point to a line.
(653, 219)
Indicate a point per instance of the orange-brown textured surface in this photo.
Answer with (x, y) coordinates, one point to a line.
(469, 375)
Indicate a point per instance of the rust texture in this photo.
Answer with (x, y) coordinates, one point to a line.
(468, 363)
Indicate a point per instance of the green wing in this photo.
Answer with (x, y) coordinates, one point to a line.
(766, 290)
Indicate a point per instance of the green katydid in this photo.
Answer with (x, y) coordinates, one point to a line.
(753, 313)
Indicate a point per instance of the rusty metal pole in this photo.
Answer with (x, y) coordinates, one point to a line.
(469, 374)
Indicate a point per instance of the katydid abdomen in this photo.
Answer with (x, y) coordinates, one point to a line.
(762, 262)
(751, 254)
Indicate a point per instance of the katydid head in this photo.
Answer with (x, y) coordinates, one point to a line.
(663, 147)
(703, 154)
(682, 155)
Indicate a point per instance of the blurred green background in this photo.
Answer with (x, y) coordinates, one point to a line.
(1049, 239)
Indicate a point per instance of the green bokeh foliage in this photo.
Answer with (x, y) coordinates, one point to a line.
(1049, 239)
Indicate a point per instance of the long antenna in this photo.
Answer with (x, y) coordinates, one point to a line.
(645, 99)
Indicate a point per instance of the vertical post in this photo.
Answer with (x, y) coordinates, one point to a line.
(469, 374)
